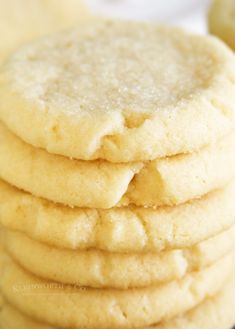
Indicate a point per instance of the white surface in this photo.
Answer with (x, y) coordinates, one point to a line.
(189, 14)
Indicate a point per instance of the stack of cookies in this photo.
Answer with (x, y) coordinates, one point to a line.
(117, 160)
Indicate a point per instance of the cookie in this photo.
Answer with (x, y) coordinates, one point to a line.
(130, 308)
(1, 251)
(214, 313)
(11, 318)
(221, 20)
(99, 269)
(99, 184)
(132, 229)
(18, 26)
(89, 95)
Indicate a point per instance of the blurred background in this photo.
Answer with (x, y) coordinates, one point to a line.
(24, 20)
(190, 14)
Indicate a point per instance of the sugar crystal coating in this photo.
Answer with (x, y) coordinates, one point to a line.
(115, 68)
(120, 91)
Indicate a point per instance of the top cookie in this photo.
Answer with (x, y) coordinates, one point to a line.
(119, 91)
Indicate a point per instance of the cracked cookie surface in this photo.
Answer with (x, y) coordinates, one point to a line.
(132, 229)
(100, 269)
(101, 184)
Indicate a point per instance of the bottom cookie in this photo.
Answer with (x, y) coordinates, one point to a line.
(215, 313)
(72, 307)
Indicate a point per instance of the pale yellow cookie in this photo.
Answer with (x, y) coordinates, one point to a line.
(1, 269)
(221, 20)
(99, 269)
(1, 253)
(120, 91)
(178, 179)
(23, 20)
(129, 229)
(73, 307)
(99, 184)
(11, 318)
(102, 184)
(214, 313)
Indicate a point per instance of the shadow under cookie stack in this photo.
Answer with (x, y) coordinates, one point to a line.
(117, 159)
